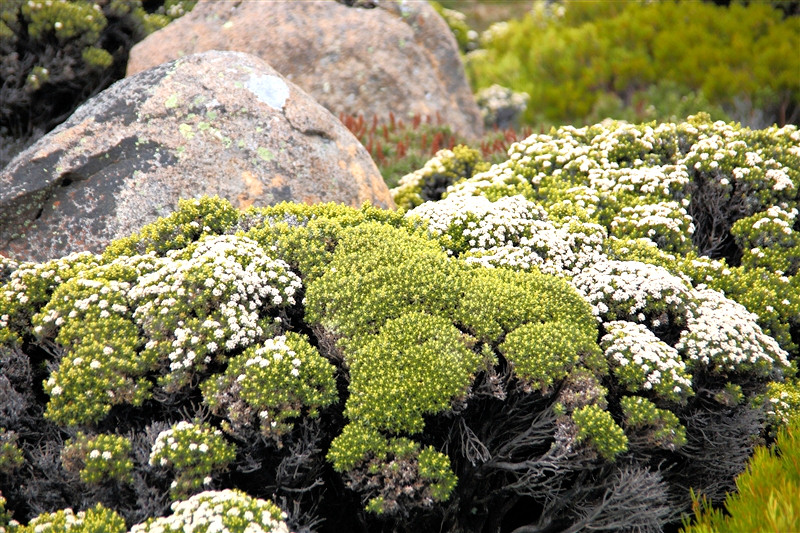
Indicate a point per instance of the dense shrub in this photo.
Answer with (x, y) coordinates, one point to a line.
(54, 54)
(767, 493)
(584, 61)
(494, 358)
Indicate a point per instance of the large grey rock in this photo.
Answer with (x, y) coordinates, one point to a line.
(218, 123)
(399, 58)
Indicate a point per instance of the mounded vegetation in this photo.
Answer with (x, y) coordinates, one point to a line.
(581, 62)
(572, 338)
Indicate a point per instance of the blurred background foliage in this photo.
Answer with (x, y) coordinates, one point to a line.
(581, 62)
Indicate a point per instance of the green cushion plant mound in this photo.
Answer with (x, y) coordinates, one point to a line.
(443, 368)
(581, 62)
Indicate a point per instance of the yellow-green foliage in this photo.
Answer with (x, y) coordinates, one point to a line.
(271, 383)
(194, 452)
(378, 273)
(767, 496)
(10, 452)
(598, 427)
(98, 458)
(662, 427)
(542, 353)
(393, 299)
(578, 59)
(362, 451)
(356, 443)
(415, 365)
(227, 510)
(305, 236)
(95, 520)
(493, 303)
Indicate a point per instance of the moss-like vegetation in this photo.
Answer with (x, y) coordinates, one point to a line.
(440, 368)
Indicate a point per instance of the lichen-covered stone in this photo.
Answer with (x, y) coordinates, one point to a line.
(219, 123)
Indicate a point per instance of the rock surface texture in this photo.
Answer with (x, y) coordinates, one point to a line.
(217, 123)
(398, 58)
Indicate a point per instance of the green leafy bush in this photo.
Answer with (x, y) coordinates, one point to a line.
(207, 512)
(580, 61)
(272, 382)
(92, 520)
(194, 452)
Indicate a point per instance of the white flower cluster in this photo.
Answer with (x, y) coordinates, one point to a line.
(226, 511)
(658, 180)
(415, 180)
(31, 278)
(774, 215)
(475, 223)
(754, 170)
(47, 522)
(631, 290)
(563, 250)
(169, 442)
(724, 335)
(103, 297)
(665, 223)
(500, 106)
(273, 350)
(642, 361)
(212, 300)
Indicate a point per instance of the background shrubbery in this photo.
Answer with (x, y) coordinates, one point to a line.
(584, 61)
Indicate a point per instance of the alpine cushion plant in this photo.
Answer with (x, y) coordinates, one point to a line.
(436, 369)
(98, 458)
(194, 452)
(212, 511)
